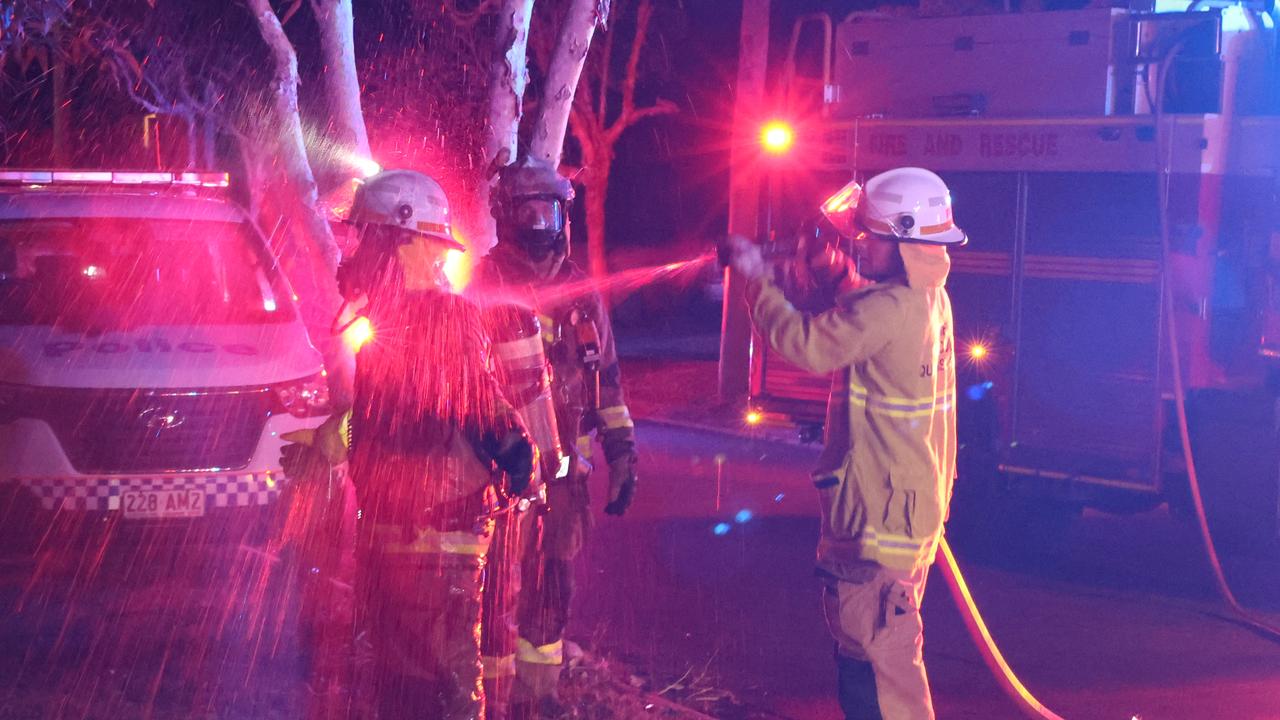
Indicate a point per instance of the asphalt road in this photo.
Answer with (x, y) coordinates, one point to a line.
(707, 584)
(704, 588)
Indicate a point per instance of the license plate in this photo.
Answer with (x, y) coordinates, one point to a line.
(163, 504)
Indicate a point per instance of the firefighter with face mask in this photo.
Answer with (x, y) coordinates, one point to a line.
(885, 475)
(529, 267)
(428, 440)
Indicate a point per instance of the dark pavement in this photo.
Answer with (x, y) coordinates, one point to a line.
(706, 584)
(705, 590)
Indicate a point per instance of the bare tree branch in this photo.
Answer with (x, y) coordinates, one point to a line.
(606, 59)
(291, 143)
(660, 107)
(643, 13)
(572, 46)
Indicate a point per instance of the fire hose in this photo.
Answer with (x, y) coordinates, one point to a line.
(986, 645)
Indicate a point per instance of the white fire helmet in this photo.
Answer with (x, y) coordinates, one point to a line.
(407, 200)
(907, 204)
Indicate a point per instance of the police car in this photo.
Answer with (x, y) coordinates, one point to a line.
(151, 354)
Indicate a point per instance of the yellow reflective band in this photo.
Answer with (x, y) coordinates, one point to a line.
(496, 667)
(428, 542)
(563, 471)
(584, 446)
(344, 430)
(858, 388)
(549, 654)
(883, 228)
(892, 544)
(899, 407)
(615, 417)
(548, 328)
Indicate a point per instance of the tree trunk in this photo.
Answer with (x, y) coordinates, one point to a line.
(562, 77)
(61, 109)
(210, 143)
(342, 85)
(292, 147)
(193, 139)
(597, 187)
(744, 194)
(507, 79)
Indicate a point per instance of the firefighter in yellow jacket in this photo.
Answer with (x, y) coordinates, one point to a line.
(886, 472)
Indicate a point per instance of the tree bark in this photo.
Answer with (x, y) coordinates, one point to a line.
(291, 144)
(508, 76)
(744, 194)
(562, 77)
(61, 110)
(342, 84)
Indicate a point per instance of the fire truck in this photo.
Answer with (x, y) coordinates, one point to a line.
(1099, 159)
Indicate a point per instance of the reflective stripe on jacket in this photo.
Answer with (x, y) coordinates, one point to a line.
(501, 274)
(887, 467)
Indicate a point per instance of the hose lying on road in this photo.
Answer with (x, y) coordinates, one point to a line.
(991, 655)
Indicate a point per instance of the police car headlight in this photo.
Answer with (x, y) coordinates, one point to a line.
(306, 397)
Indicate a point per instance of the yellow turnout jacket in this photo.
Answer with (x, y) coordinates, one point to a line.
(888, 463)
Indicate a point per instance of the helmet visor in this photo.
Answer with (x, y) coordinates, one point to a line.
(539, 213)
(841, 209)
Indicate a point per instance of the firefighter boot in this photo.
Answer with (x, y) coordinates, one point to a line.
(856, 686)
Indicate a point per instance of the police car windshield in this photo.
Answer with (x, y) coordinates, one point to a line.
(104, 274)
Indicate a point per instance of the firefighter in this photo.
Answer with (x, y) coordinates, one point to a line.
(530, 266)
(885, 475)
(427, 434)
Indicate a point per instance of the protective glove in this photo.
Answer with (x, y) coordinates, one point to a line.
(301, 460)
(622, 485)
(745, 257)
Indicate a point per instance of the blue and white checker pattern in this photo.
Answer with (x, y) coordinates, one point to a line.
(103, 493)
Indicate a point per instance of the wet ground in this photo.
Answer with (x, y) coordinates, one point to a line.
(708, 582)
(704, 590)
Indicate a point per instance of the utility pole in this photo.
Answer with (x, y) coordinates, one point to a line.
(61, 109)
(744, 193)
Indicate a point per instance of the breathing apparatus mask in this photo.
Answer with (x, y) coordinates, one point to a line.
(530, 204)
(537, 224)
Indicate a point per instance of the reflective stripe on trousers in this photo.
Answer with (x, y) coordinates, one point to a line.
(549, 654)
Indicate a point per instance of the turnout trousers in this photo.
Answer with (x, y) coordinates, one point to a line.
(874, 615)
(547, 586)
(528, 587)
(420, 603)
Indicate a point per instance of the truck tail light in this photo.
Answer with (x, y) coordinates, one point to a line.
(306, 397)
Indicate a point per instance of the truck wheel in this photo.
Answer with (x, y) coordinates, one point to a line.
(1235, 438)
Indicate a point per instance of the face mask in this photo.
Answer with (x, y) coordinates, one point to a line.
(537, 225)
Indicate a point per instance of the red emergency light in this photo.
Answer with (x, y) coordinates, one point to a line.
(113, 177)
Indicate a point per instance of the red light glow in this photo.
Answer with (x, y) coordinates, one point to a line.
(754, 417)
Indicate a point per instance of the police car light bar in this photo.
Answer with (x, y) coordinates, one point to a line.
(107, 177)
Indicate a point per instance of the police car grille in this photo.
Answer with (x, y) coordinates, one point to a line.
(124, 431)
